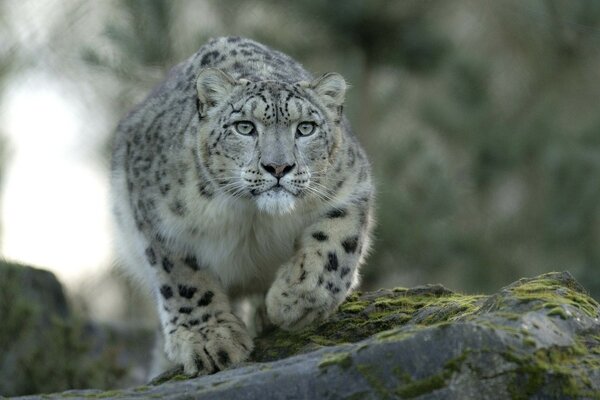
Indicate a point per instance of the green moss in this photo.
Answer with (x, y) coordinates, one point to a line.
(510, 316)
(373, 380)
(362, 347)
(179, 377)
(395, 335)
(78, 395)
(455, 364)
(106, 395)
(323, 340)
(569, 366)
(342, 360)
(354, 307)
(174, 374)
(402, 375)
(94, 394)
(417, 388)
(363, 315)
(410, 387)
(396, 312)
(548, 292)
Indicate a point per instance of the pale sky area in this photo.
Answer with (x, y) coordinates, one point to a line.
(55, 205)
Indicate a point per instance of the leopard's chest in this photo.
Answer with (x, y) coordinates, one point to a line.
(240, 245)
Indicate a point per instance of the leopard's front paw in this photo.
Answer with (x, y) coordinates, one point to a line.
(209, 348)
(293, 304)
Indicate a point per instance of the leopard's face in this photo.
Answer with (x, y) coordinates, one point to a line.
(269, 141)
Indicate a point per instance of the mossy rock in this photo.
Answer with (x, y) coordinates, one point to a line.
(537, 338)
(43, 347)
(363, 315)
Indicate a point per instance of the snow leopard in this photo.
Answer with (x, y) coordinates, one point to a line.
(239, 177)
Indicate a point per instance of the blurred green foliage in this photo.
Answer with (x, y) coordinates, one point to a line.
(481, 118)
(43, 348)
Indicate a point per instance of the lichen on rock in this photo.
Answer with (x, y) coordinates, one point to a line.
(536, 338)
(365, 314)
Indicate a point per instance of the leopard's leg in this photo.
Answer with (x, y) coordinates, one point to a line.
(200, 331)
(324, 269)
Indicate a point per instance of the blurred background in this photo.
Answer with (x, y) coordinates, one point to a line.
(481, 118)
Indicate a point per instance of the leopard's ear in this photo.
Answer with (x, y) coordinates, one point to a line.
(213, 86)
(331, 88)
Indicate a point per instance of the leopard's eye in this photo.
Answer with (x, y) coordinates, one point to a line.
(245, 128)
(305, 129)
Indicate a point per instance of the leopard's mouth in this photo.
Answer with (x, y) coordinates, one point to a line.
(276, 200)
(274, 189)
(280, 188)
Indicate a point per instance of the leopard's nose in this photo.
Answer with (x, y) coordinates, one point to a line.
(278, 170)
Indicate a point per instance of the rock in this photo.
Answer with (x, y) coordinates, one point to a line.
(43, 347)
(537, 338)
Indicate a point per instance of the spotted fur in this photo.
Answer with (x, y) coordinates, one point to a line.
(239, 176)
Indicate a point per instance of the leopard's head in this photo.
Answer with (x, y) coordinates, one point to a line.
(270, 141)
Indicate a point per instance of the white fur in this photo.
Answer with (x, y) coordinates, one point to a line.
(244, 244)
(276, 203)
